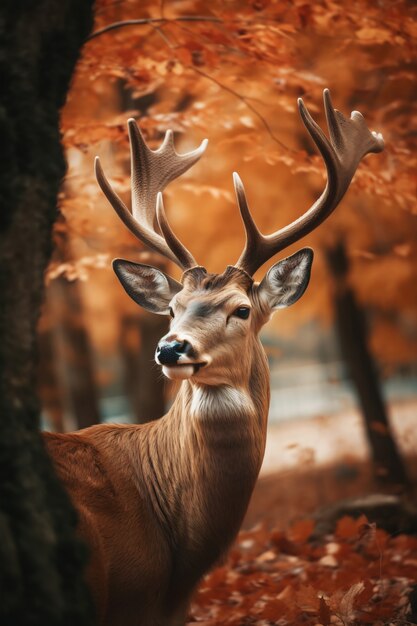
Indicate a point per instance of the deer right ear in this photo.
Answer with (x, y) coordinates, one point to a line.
(287, 280)
(149, 287)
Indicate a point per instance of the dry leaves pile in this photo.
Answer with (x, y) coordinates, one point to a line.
(359, 575)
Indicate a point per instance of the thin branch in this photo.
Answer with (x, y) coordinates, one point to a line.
(226, 88)
(153, 20)
(245, 100)
(158, 30)
(194, 18)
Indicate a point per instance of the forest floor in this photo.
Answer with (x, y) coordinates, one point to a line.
(284, 569)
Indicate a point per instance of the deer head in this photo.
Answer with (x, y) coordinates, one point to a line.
(216, 316)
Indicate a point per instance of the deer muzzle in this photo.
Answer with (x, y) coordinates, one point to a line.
(177, 359)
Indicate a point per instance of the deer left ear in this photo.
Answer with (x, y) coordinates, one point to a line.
(287, 280)
(146, 285)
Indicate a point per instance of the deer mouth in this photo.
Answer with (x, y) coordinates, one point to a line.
(182, 371)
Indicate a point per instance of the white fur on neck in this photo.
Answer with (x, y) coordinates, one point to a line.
(212, 402)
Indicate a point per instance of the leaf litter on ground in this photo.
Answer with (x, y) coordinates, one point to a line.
(357, 576)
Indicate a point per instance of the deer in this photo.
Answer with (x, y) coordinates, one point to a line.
(160, 503)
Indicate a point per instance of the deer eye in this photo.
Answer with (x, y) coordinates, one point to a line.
(242, 312)
(171, 312)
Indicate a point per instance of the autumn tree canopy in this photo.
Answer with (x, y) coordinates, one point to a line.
(232, 71)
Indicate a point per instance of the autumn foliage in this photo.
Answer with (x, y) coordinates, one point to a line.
(232, 71)
(359, 575)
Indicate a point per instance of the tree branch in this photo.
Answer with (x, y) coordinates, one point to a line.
(156, 23)
(153, 20)
(245, 100)
(236, 94)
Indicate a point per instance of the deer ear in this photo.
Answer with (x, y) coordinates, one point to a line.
(287, 280)
(146, 285)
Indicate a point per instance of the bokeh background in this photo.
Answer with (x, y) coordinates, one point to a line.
(343, 359)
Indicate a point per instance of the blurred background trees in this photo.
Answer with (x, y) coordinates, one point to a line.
(232, 71)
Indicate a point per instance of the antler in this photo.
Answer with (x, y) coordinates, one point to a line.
(151, 171)
(350, 140)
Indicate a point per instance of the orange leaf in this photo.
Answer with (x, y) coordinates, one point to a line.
(348, 528)
(301, 530)
(374, 35)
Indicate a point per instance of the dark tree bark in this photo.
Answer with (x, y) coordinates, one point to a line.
(144, 381)
(67, 385)
(150, 399)
(73, 353)
(41, 561)
(351, 330)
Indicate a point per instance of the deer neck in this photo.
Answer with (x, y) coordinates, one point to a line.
(209, 449)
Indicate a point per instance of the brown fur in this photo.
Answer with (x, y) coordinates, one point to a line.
(160, 503)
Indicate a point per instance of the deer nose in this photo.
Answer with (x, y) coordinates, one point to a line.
(168, 352)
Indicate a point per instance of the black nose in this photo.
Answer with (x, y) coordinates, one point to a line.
(169, 352)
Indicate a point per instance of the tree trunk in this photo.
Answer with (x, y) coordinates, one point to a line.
(350, 324)
(41, 561)
(72, 351)
(144, 382)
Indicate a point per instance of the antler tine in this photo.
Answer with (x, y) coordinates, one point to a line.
(350, 140)
(150, 238)
(183, 255)
(151, 171)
